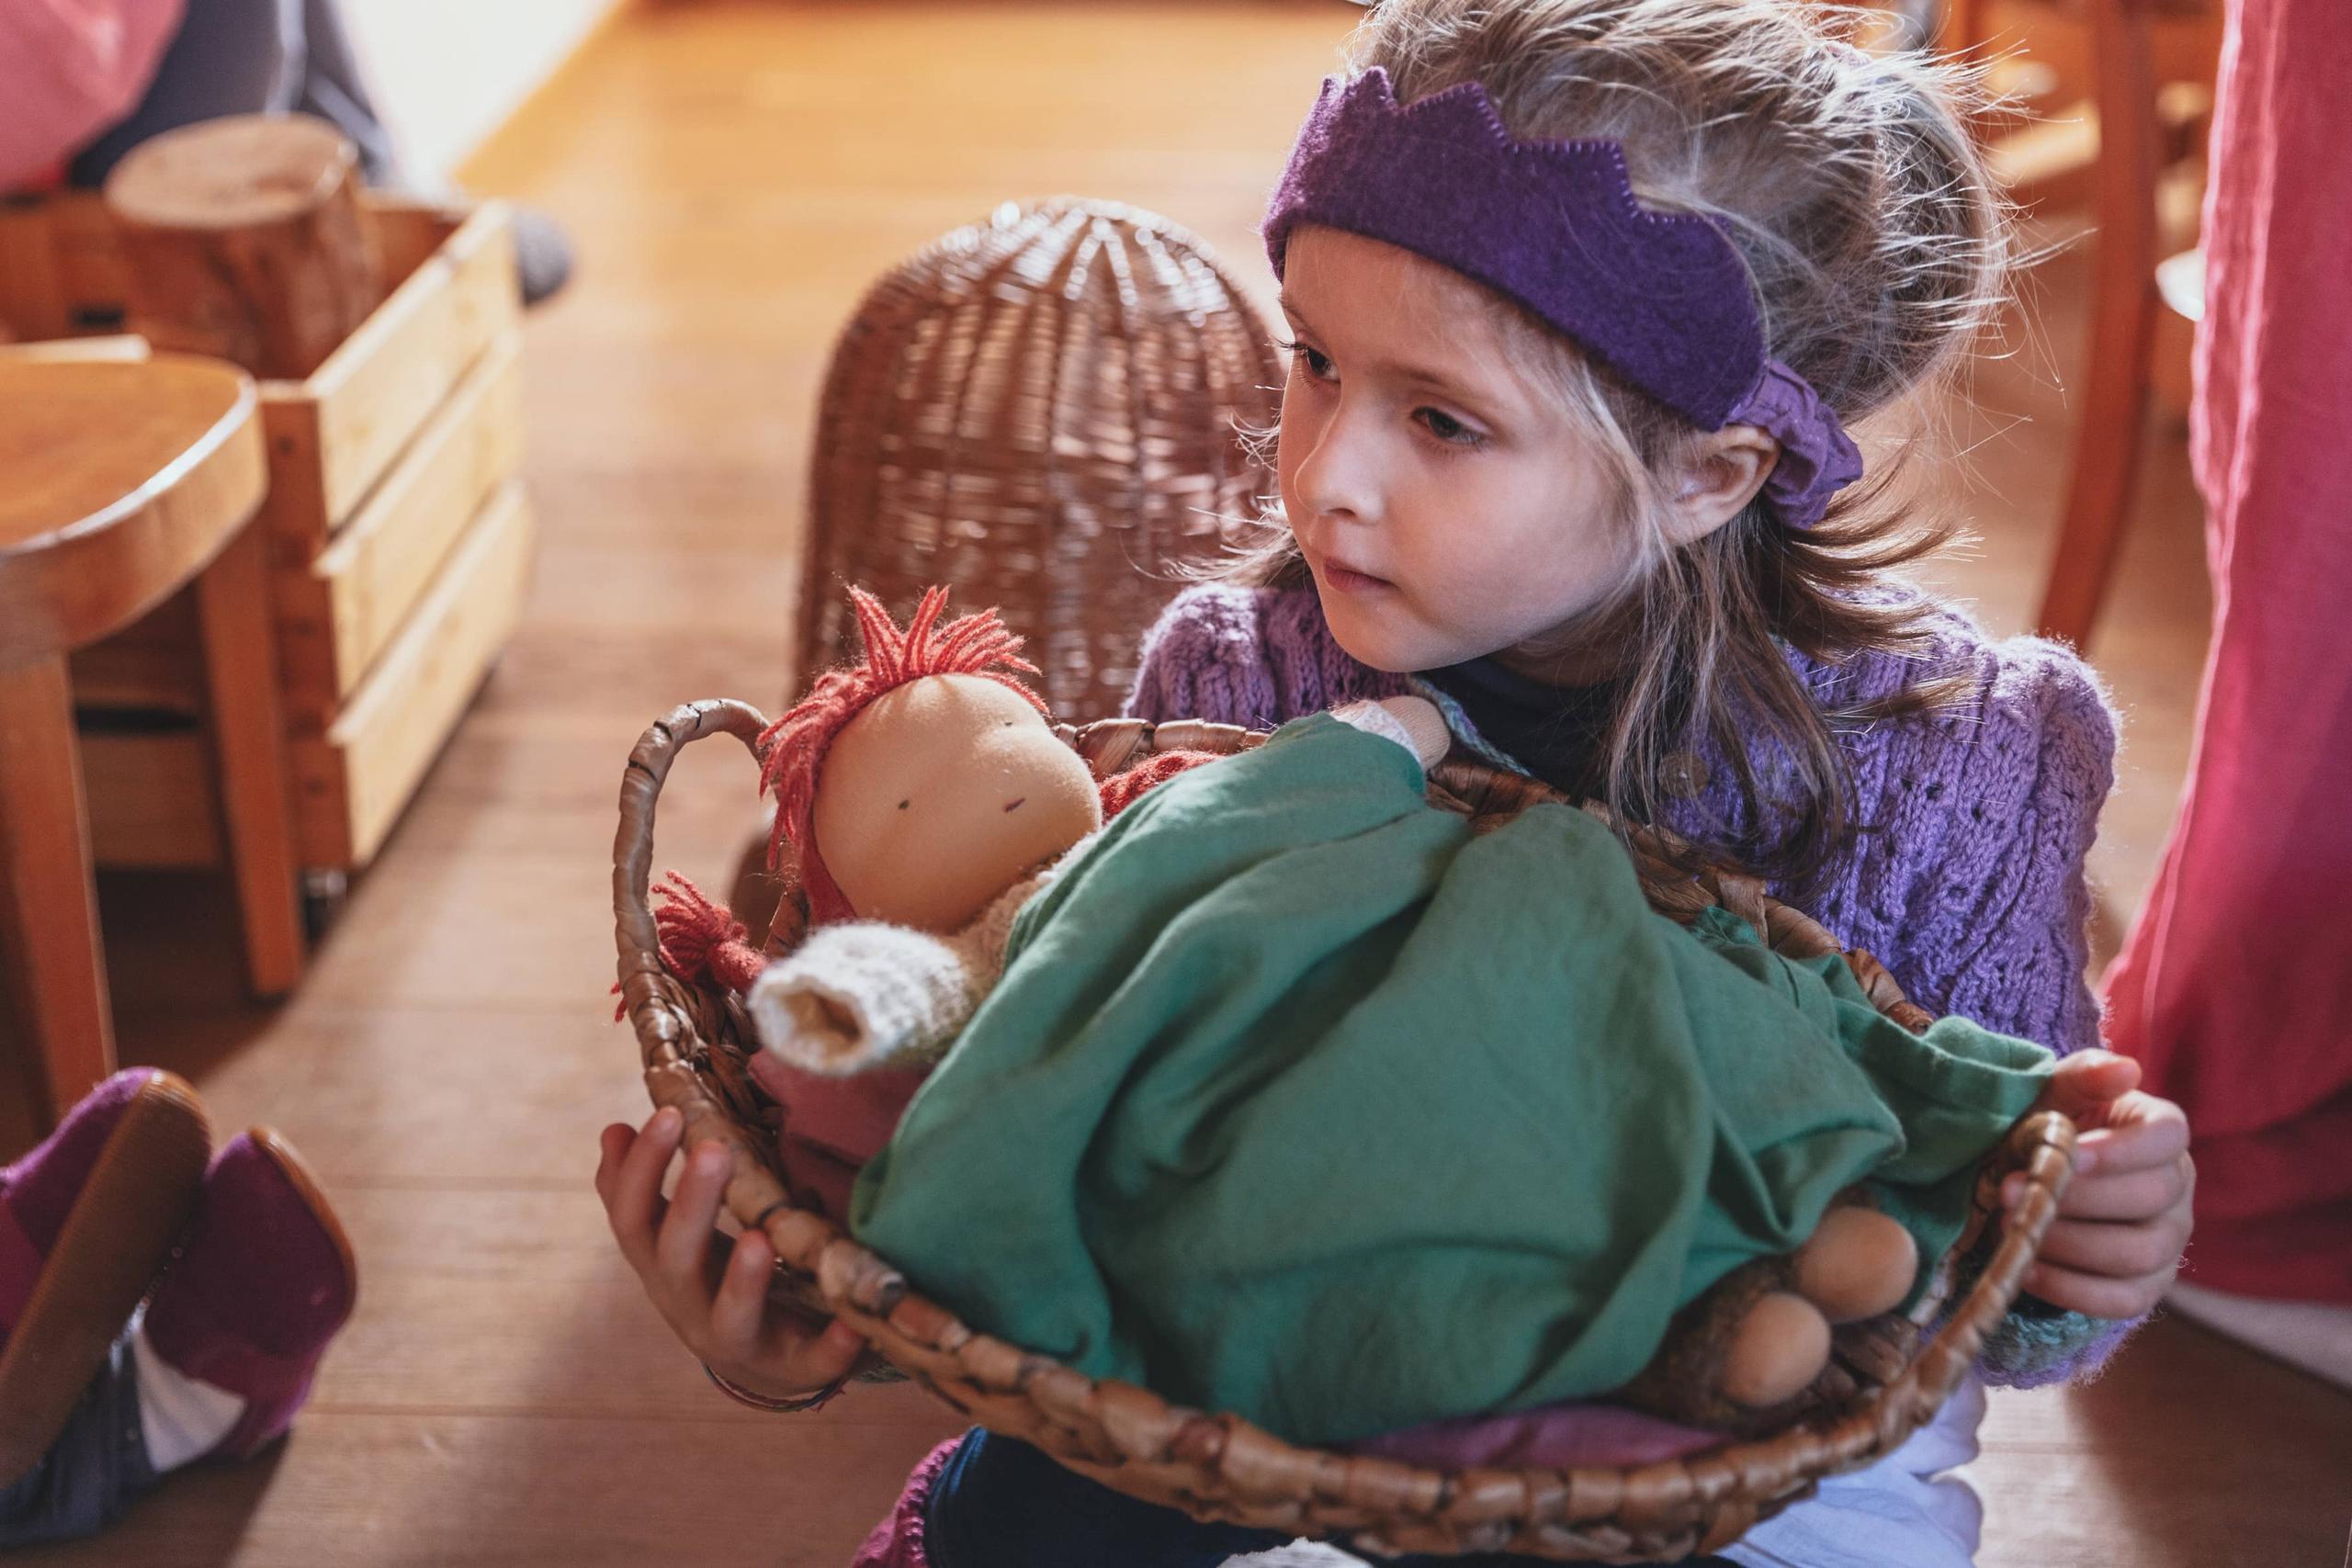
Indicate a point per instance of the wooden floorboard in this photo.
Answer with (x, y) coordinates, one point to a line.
(734, 176)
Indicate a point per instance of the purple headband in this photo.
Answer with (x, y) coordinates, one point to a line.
(1662, 298)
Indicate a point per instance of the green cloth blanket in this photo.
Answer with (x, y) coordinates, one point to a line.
(1298, 1100)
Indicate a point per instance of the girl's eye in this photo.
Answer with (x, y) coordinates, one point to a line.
(1318, 364)
(1447, 428)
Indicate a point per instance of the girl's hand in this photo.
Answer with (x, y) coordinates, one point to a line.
(2117, 1240)
(714, 1295)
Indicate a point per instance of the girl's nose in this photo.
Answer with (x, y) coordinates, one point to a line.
(1338, 478)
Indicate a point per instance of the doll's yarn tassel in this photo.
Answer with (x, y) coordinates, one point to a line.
(702, 939)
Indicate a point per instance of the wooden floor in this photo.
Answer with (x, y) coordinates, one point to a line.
(733, 177)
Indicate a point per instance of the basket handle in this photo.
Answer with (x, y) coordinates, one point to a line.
(659, 1009)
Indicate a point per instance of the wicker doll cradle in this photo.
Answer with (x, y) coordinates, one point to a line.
(1048, 408)
(693, 1041)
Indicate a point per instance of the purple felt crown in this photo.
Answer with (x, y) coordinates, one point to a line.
(1662, 299)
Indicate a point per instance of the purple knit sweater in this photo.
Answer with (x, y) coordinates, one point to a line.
(1967, 882)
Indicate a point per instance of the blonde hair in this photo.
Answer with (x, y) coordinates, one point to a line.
(1852, 189)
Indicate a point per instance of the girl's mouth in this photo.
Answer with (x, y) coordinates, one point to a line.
(1346, 580)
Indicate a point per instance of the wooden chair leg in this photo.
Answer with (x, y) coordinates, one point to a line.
(2108, 437)
(249, 751)
(45, 880)
(1962, 28)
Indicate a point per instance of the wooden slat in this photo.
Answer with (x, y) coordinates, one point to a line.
(153, 805)
(118, 346)
(150, 666)
(352, 781)
(337, 614)
(408, 231)
(332, 437)
(62, 271)
(32, 297)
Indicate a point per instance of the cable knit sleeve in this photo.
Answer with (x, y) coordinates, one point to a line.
(1997, 817)
(1998, 914)
(1206, 658)
(1256, 657)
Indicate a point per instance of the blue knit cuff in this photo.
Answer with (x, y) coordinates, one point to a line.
(2025, 1350)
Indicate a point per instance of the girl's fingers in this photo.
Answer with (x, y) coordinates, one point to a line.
(634, 1206)
(742, 1298)
(612, 1148)
(682, 1248)
(2120, 1252)
(2156, 1134)
(822, 1359)
(2133, 1195)
(2092, 1295)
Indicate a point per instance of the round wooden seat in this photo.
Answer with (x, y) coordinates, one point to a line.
(123, 482)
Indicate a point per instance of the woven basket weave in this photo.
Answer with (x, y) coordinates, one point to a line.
(693, 1042)
(1045, 409)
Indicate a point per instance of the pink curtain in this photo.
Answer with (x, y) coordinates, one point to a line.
(2235, 987)
(68, 69)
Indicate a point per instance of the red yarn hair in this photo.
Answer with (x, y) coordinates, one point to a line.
(794, 746)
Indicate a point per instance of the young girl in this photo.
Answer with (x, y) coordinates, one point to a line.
(1581, 295)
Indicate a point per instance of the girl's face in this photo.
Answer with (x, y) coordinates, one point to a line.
(1448, 502)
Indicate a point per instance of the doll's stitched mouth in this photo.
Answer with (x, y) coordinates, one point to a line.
(1018, 804)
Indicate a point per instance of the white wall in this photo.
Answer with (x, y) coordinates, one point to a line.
(447, 72)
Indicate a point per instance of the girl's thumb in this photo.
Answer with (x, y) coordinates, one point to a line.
(2088, 1081)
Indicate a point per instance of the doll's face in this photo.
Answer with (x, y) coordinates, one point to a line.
(941, 794)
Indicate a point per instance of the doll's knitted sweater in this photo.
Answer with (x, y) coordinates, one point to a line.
(1966, 880)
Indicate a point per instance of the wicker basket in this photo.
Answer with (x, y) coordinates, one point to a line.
(1045, 409)
(1218, 1466)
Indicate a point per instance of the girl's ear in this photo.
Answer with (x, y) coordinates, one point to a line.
(1715, 476)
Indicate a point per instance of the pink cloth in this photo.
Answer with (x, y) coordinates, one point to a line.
(68, 69)
(1551, 1436)
(2235, 987)
(833, 1126)
(896, 1541)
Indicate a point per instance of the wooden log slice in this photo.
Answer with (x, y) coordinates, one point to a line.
(246, 241)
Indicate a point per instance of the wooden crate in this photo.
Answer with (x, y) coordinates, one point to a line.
(400, 543)
(350, 782)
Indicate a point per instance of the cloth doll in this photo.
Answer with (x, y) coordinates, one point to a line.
(969, 800)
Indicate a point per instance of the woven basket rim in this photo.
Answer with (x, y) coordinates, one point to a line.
(1220, 1466)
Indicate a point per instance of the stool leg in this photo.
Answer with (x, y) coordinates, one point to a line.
(249, 750)
(2123, 310)
(51, 904)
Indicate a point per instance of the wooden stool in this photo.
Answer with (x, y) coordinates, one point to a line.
(124, 482)
(2151, 94)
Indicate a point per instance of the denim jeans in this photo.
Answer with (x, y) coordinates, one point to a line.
(95, 1468)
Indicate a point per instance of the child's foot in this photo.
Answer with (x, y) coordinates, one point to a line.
(265, 1281)
(87, 1223)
